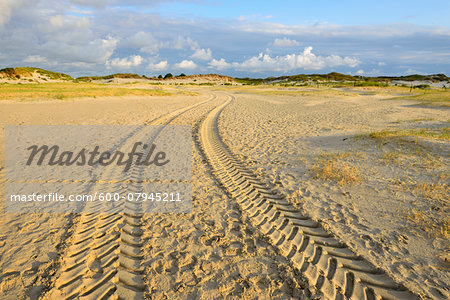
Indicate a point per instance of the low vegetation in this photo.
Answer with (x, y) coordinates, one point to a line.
(431, 213)
(432, 97)
(370, 83)
(334, 167)
(438, 133)
(417, 77)
(334, 77)
(407, 147)
(112, 76)
(296, 91)
(64, 90)
(412, 152)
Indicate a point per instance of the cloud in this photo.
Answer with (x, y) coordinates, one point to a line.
(326, 30)
(220, 64)
(145, 41)
(59, 22)
(6, 9)
(285, 42)
(162, 65)
(411, 71)
(90, 3)
(101, 4)
(202, 54)
(62, 35)
(373, 72)
(305, 60)
(35, 59)
(126, 62)
(181, 43)
(96, 51)
(186, 64)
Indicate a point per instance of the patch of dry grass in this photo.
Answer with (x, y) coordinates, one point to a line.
(333, 167)
(404, 146)
(430, 224)
(403, 149)
(431, 97)
(64, 90)
(436, 192)
(417, 120)
(308, 91)
(430, 211)
(442, 133)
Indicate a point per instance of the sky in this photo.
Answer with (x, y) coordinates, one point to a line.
(236, 38)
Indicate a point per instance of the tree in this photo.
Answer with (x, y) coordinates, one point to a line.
(182, 75)
(168, 75)
(160, 77)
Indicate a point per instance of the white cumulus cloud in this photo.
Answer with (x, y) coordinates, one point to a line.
(35, 59)
(305, 60)
(126, 62)
(285, 42)
(186, 64)
(162, 65)
(220, 64)
(145, 41)
(96, 4)
(181, 43)
(202, 54)
(6, 9)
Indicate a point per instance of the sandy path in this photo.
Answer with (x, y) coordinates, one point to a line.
(213, 253)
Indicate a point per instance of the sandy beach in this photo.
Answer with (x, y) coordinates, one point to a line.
(367, 172)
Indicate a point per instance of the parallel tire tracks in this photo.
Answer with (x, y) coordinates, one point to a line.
(329, 265)
(103, 259)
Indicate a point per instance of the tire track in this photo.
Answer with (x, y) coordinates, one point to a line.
(103, 259)
(331, 268)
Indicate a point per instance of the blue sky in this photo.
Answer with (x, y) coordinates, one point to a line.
(349, 12)
(237, 38)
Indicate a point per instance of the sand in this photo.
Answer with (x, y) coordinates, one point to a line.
(284, 136)
(217, 251)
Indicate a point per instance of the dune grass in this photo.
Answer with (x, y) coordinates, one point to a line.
(20, 72)
(432, 215)
(431, 97)
(294, 91)
(65, 90)
(427, 179)
(405, 147)
(333, 167)
(441, 133)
